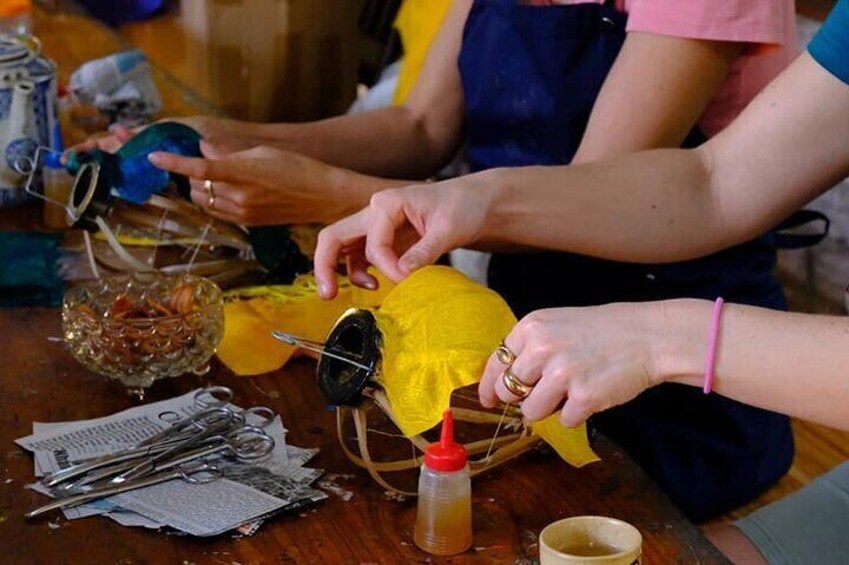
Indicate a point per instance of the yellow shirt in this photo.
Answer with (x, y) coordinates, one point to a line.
(417, 23)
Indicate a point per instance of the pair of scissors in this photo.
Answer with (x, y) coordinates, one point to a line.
(167, 439)
(211, 401)
(126, 459)
(236, 421)
(247, 444)
(203, 400)
(214, 418)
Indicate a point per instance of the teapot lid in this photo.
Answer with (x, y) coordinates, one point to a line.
(13, 50)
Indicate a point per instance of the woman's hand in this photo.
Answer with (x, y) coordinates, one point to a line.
(226, 135)
(402, 230)
(261, 186)
(584, 360)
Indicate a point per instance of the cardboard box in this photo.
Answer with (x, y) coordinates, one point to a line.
(267, 60)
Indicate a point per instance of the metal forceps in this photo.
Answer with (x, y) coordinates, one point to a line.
(205, 399)
(201, 473)
(214, 420)
(213, 402)
(256, 416)
(238, 421)
(246, 444)
(193, 439)
(214, 417)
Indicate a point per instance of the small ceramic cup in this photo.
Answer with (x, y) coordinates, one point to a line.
(590, 540)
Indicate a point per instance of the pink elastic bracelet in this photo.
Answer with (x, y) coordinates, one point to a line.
(714, 341)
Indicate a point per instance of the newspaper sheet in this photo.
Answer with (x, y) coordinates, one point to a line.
(246, 494)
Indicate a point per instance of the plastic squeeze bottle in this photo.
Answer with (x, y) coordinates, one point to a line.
(444, 514)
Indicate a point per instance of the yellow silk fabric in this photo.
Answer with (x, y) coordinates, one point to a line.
(439, 328)
(571, 444)
(251, 314)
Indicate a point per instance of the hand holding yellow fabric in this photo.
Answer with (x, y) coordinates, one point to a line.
(438, 330)
(251, 314)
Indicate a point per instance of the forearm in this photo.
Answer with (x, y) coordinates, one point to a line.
(668, 205)
(413, 140)
(641, 106)
(388, 142)
(649, 207)
(664, 213)
(653, 96)
(351, 191)
(786, 362)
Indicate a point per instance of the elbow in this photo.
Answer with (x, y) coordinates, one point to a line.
(705, 169)
(436, 137)
(724, 219)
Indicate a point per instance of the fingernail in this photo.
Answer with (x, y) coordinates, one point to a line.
(155, 158)
(370, 283)
(323, 289)
(410, 265)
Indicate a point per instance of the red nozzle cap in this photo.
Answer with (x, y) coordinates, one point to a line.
(447, 455)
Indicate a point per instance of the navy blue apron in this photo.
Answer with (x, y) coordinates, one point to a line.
(530, 76)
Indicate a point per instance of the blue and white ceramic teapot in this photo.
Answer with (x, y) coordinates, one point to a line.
(28, 112)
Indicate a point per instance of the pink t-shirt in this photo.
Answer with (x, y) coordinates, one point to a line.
(768, 26)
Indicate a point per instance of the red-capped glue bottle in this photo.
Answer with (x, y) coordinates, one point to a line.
(444, 514)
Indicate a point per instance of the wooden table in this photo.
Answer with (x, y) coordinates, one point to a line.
(39, 381)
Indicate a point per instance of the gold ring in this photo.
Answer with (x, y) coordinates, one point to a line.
(514, 386)
(504, 354)
(207, 187)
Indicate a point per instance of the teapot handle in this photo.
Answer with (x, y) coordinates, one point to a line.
(35, 47)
